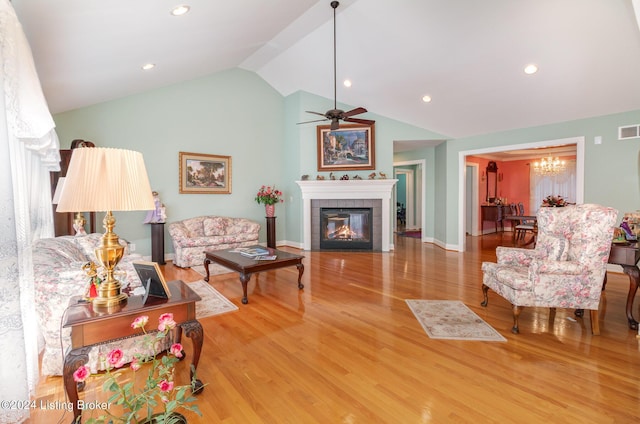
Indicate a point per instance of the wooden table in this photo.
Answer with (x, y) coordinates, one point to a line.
(247, 266)
(627, 256)
(90, 328)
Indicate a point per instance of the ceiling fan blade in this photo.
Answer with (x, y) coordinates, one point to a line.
(315, 113)
(360, 121)
(315, 120)
(356, 111)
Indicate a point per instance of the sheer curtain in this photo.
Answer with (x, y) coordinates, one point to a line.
(29, 149)
(563, 184)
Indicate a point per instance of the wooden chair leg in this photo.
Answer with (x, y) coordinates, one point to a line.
(595, 323)
(485, 289)
(516, 314)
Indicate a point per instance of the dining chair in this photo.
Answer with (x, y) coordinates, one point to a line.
(524, 226)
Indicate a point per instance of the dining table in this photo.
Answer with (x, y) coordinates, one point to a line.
(517, 219)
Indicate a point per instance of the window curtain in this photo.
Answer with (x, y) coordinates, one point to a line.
(563, 184)
(29, 150)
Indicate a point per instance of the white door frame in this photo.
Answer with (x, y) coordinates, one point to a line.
(421, 187)
(462, 156)
(409, 178)
(474, 198)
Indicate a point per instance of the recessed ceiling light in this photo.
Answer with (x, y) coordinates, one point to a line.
(180, 10)
(426, 99)
(148, 66)
(347, 83)
(530, 69)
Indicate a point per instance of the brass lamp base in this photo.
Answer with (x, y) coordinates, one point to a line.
(109, 254)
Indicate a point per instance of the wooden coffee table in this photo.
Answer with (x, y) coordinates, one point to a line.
(247, 266)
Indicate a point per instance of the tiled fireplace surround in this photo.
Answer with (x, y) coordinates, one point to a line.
(374, 194)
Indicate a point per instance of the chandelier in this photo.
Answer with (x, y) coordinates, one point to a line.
(549, 166)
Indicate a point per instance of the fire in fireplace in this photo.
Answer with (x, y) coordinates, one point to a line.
(346, 228)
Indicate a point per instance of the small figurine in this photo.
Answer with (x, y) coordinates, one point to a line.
(157, 215)
(305, 177)
(372, 176)
(383, 176)
(320, 177)
(91, 269)
(331, 176)
(344, 177)
(357, 177)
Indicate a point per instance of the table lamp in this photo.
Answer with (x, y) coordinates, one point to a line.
(104, 180)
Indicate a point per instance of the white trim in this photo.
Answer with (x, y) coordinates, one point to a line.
(423, 201)
(580, 152)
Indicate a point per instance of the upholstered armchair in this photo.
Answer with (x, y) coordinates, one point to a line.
(565, 270)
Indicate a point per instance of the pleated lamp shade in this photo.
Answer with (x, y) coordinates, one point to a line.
(103, 179)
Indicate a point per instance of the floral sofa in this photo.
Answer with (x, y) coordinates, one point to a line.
(191, 237)
(58, 277)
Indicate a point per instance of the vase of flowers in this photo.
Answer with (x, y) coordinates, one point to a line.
(159, 391)
(554, 202)
(269, 196)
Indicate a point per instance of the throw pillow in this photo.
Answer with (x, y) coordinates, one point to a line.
(216, 226)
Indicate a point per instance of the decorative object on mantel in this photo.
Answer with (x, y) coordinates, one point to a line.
(305, 177)
(383, 176)
(344, 177)
(553, 202)
(372, 176)
(319, 178)
(549, 166)
(331, 176)
(357, 177)
(159, 386)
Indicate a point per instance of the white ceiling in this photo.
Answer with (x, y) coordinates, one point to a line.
(468, 55)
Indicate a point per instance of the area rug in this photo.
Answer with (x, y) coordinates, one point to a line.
(453, 320)
(212, 303)
(214, 269)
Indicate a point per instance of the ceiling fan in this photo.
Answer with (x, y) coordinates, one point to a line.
(336, 115)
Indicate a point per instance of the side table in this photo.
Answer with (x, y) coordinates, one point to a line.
(89, 328)
(157, 242)
(627, 256)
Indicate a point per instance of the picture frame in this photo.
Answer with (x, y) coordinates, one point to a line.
(350, 148)
(202, 173)
(152, 280)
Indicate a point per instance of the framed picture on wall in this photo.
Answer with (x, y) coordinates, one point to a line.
(351, 147)
(205, 174)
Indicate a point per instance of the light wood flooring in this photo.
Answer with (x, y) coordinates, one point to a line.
(347, 349)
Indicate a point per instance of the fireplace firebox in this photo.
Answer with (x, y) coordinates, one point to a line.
(346, 228)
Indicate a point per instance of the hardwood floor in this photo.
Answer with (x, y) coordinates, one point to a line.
(347, 349)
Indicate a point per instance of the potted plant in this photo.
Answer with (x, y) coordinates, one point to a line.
(138, 405)
(269, 196)
(553, 202)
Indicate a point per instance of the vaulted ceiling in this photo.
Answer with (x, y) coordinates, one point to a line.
(467, 55)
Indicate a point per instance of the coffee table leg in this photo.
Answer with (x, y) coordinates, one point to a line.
(244, 279)
(207, 261)
(300, 267)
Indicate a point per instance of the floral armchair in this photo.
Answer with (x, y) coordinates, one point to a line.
(565, 270)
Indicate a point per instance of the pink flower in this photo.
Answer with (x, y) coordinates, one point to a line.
(140, 322)
(166, 386)
(81, 374)
(176, 350)
(116, 358)
(135, 364)
(166, 322)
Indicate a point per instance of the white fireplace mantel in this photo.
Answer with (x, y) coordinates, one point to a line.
(347, 189)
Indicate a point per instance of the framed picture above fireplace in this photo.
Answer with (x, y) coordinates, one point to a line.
(349, 148)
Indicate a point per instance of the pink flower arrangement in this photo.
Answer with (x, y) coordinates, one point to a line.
(159, 383)
(268, 195)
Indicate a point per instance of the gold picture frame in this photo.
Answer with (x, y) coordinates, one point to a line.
(352, 147)
(204, 174)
